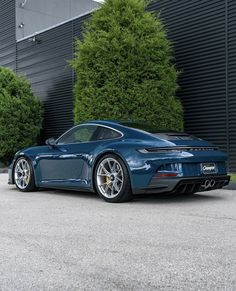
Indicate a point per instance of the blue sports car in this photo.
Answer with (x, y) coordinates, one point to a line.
(119, 159)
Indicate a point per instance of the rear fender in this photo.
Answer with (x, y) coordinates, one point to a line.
(114, 152)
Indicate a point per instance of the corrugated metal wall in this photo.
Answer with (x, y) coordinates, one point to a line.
(204, 38)
(231, 65)
(197, 29)
(7, 34)
(44, 62)
(203, 34)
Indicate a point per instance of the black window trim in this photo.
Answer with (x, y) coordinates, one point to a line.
(111, 129)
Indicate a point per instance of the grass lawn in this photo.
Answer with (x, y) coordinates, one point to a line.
(233, 177)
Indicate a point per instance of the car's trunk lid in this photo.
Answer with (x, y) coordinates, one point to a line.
(184, 141)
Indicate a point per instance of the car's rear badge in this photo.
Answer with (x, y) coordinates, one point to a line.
(208, 168)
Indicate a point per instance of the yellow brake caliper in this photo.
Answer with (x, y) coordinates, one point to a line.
(107, 181)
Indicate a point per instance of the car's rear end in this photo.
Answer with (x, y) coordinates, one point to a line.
(204, 169)
(185, 164)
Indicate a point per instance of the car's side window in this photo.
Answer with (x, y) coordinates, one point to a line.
(106, 133)
(78, 134)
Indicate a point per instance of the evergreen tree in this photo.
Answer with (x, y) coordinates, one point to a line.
(20, 114)
(124, 68)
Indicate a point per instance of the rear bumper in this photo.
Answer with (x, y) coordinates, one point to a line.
(184, 184)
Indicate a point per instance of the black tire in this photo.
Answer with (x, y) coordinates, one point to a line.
(30, 184)
(187, 194)
(125, 192)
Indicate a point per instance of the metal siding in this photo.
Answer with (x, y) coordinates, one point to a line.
(197, 29)
(7, 34)
(78, 25)
(232, 82)
(46, 66)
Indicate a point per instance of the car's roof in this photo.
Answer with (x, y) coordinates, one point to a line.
(104, 122)
(111, 123)
(125, 129)
(143, 130)
(129, 129)
(122, 124)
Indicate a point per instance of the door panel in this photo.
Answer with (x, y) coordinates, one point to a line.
(67, 166)
(61, 168)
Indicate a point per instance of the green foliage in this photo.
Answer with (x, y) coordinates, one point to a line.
(124, 68)
(20, 114)
(233, 177)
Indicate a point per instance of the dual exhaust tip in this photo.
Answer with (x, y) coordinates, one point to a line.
(208, 184)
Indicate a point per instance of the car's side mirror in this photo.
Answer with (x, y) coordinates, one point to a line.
(51, 142)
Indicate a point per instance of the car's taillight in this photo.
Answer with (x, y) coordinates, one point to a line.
(166, 150)
(158, 150)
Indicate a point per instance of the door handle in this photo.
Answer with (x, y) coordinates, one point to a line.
(62, 149)
(67, 156)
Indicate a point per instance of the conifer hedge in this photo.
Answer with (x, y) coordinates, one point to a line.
(20, 114)
(125, 69)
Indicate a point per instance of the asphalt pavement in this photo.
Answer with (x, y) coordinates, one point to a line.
(59, 240)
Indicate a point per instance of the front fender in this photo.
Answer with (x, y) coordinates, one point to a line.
(12, 165)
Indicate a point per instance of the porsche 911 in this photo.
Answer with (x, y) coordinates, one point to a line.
(118, 160)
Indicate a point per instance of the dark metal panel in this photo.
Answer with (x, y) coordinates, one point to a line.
(45, 63)
(7, 34)
(197, 29)
(78, 26)
(232, 82)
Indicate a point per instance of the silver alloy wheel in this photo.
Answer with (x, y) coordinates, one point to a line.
(110, 177)
(22, 173)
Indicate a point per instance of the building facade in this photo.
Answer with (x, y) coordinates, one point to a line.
(204, 40)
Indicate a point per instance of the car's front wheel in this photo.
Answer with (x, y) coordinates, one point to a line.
(24, 175)
(111, 179)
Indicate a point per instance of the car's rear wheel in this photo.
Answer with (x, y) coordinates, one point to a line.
(24, 175)
(111, 179)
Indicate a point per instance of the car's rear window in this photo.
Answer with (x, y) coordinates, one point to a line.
(175, 136)
(106, 133)
(162, 134)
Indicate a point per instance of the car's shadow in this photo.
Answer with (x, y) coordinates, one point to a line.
(176, 198)
(144, 198)
(68, 193)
